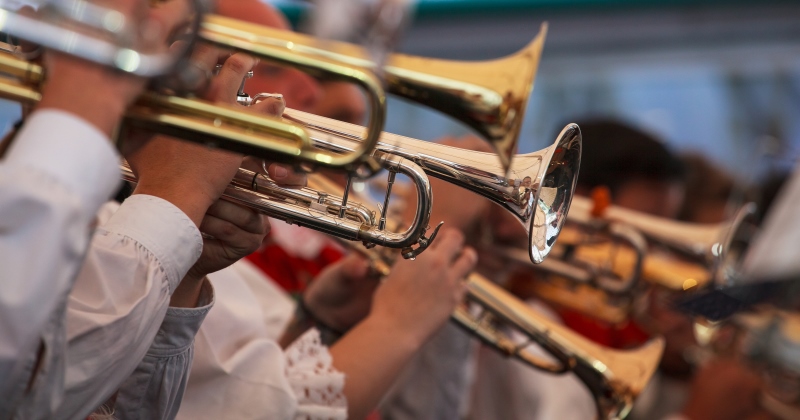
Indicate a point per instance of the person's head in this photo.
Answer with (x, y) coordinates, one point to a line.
(708, 190)
(300, 90)
(641, 173)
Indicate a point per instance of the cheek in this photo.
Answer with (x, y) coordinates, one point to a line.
(261, 84)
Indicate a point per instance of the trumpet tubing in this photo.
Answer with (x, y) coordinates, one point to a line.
(707, 244)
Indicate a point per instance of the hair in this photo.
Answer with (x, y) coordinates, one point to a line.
(614, 153)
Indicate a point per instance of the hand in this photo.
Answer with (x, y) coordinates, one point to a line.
(235, 232)
(341, 295)
(193, 176)
(111, 91)
(723, 389)
(419, 296)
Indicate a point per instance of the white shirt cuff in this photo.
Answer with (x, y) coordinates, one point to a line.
(71, 151)
(162, 229)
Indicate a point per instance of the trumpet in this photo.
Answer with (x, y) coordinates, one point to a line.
(714, 247)
(614, 377)
(539, 193)
(111, 45)
(505, 323)
(600, 261)
(537, 190)
(488, 96)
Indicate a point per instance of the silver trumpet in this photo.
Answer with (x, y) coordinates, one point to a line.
(331, 214)
(538, 189)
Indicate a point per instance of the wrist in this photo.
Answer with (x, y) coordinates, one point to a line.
(194, 205)
(188, 292)
(329, 334)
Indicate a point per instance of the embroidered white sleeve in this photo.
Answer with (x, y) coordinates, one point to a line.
(318, 387)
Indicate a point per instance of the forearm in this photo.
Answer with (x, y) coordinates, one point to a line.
(370, 374)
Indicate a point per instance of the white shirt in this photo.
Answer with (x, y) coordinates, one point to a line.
(239, 370)
(56, 175)
(118, 303)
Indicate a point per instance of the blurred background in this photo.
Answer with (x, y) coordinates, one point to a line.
(717, 77)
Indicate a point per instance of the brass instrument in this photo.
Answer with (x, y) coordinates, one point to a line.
(715, 247)
(489, 97)
(614, 377)
(600, 277)
(501, 320)
(537, 190)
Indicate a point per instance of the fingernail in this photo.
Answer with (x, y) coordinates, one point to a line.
(280, 172)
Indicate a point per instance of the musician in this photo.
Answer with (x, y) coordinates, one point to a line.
(53, 179)
(641, 174)
(239, 369)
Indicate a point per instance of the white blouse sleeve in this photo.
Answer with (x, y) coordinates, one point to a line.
(54, 178)
(317, 386)
(135, 262)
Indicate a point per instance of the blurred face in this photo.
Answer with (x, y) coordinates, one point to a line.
(658, 198)
(300, 91)
(341, 101)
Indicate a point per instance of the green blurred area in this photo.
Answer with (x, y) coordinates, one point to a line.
(438, 9)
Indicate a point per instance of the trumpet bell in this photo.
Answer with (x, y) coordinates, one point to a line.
(544, 183)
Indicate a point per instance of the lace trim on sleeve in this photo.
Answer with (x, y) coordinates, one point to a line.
(319, 387)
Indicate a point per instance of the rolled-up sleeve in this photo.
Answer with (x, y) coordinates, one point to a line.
(120, 298)
(156, 387)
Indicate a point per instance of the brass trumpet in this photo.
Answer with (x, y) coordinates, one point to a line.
(614, 377)
(601, 277)
(489, 97)
(716, 248)
(505, 323)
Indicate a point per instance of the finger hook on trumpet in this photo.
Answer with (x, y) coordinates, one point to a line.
(423, 243)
